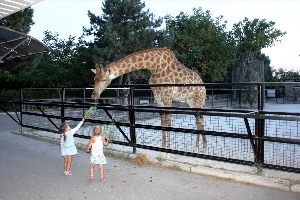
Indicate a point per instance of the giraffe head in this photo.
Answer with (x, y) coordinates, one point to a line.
(102, 80)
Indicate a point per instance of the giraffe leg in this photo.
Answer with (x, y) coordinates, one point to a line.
(204, 143)
(196, 102)
(163, 101)
(200, 126)
(166, 122)
(196, 150)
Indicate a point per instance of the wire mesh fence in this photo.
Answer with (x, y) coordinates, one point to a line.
(272, 139)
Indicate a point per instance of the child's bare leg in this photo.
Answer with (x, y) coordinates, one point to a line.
(65, 163)
(101, 171)
(91, 171)
(69, 161)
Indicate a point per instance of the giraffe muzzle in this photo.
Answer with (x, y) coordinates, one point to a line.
(95, 96)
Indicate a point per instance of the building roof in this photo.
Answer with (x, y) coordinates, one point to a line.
(8, 7)
(14, 44)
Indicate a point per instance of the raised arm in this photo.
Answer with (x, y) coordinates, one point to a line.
(73, 131)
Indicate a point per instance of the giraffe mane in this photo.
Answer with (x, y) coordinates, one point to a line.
(143, 51)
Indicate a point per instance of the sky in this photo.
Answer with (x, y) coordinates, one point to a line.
(67, 17)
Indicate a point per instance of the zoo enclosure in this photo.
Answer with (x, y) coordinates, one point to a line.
(238, 127)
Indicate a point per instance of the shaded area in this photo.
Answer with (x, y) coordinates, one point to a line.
(32, 168)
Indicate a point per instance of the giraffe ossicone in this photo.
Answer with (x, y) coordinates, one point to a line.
(165, 69)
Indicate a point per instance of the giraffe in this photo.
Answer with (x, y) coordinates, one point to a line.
(165, 69)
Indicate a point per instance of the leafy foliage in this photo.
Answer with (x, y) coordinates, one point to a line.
(9, 70)
(202, 44)
(123, 29)
(252, 36)
(20, 21)
(282, 72)
(91, 111)
(57, 68)
(268, 70)
(110, 132)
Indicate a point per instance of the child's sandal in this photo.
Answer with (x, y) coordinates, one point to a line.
(102, 179)
(91, 177)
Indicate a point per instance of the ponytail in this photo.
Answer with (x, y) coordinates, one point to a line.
(62, 129)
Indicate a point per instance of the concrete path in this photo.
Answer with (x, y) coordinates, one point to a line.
(31, 169)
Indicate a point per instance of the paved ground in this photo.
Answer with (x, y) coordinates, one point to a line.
(32, 169)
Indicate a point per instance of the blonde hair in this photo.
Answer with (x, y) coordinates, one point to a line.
(62, 129)
(95, 133)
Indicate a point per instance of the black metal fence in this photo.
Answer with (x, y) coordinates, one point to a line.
(243, 123)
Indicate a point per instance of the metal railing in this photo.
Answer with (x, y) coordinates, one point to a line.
(238, 127)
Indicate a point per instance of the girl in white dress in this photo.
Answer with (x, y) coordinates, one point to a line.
(68, 147)
(97, 156)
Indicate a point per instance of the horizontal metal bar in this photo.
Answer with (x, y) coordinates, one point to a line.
(281, 168)
(273, 84)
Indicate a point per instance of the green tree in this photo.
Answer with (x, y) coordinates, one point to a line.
(20, 21)
(293, 73)
(283, 72)
(124, 28)
(9, 70)
(268, 70)
(57, 68)
(252, 36)
(201, 43)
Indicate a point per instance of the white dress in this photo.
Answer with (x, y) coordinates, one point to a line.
(68, 147)
(97, 156)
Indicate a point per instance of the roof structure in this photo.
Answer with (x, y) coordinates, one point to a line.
(8, 7)
(14, 44)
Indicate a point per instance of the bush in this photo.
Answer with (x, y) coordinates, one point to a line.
(6, 95)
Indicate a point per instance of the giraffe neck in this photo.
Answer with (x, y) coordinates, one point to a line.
(148, 59)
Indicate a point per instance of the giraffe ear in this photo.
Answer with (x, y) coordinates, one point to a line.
(94, 70)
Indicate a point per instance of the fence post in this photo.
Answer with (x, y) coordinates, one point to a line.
(261, 97)
(83, 100)
(21, 109)
(240, 97)
(212, 97)
(132, 119)
(260, 128)
(62, 110)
